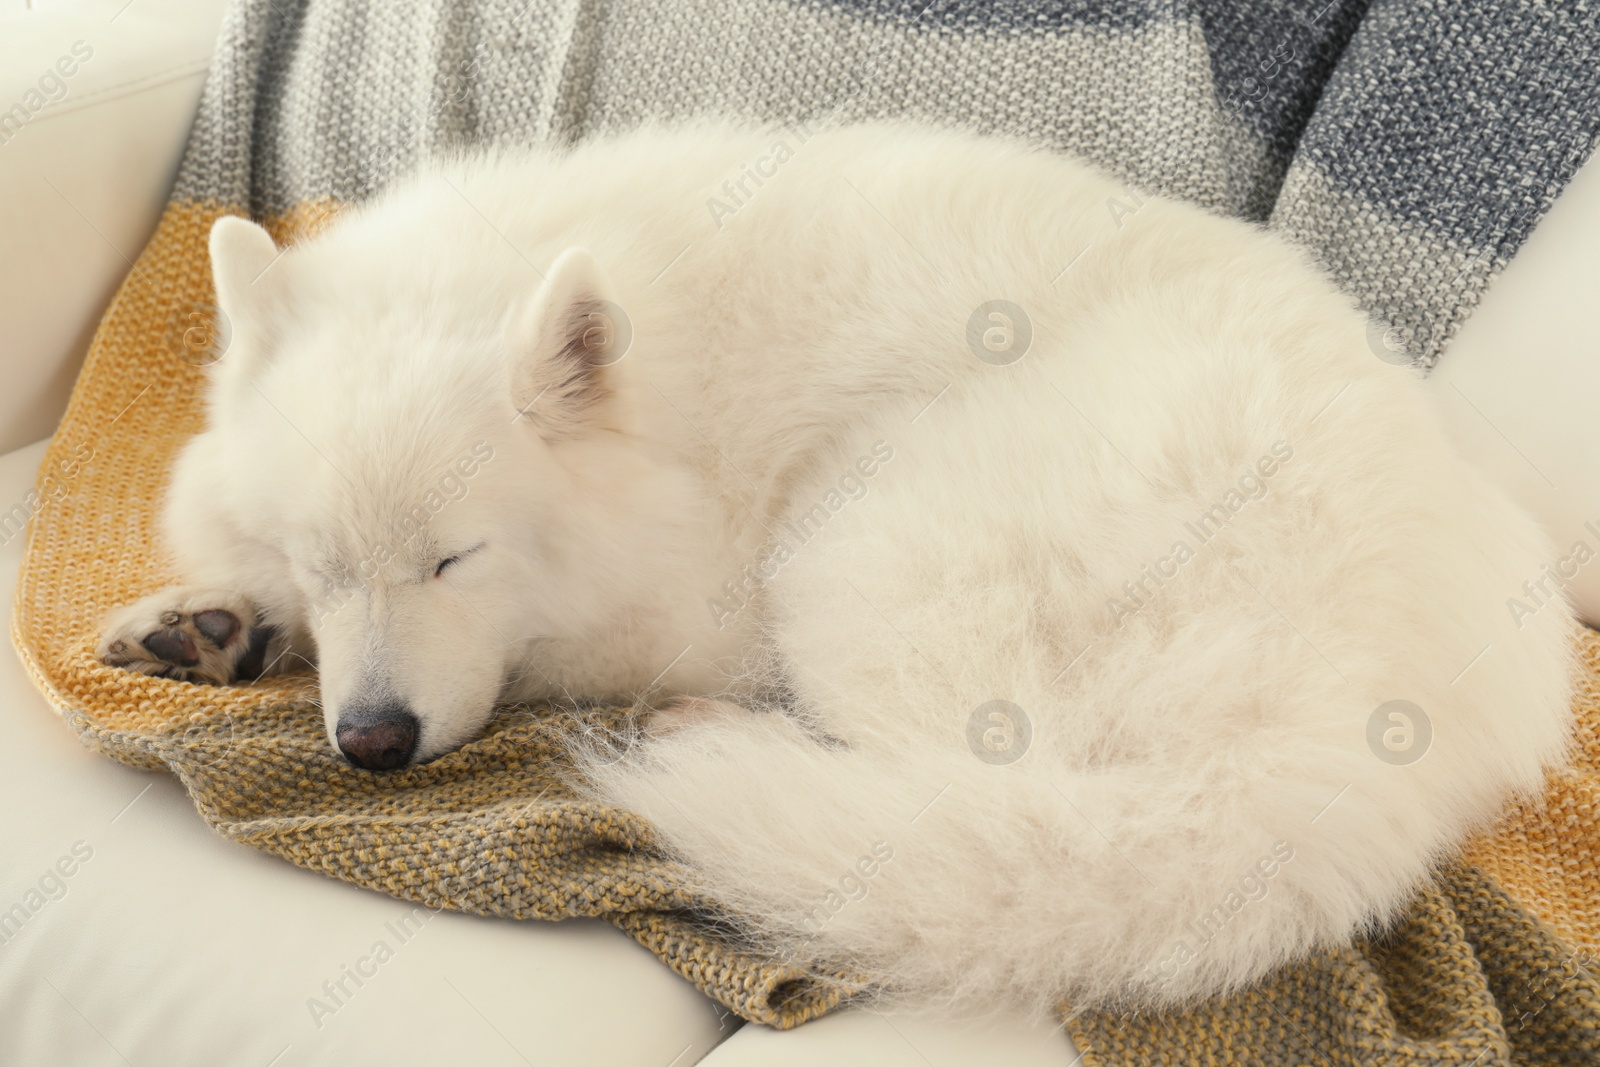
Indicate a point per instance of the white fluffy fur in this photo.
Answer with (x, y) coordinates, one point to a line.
(1171, 749)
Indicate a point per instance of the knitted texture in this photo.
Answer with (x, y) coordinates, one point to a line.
(1327, 123)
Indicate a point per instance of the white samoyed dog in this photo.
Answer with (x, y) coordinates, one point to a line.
(1043, 591)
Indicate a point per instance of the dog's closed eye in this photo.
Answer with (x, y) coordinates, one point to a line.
(450, 561)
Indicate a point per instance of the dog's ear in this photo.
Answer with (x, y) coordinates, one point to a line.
(241, 252)
(562, 346)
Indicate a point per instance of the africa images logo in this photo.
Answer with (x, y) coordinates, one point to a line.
(51, 88)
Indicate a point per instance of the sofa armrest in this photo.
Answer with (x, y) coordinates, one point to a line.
(96, 100)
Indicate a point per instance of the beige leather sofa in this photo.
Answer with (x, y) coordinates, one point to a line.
(157, 942)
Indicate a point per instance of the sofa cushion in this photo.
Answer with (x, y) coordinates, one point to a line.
(95, 103)
(1518, 386)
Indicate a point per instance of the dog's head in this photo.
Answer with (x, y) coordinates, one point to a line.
(417, 462)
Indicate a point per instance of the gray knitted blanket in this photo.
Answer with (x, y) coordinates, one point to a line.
(1411, 144)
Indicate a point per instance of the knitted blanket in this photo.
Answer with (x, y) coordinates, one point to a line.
(1412, 145)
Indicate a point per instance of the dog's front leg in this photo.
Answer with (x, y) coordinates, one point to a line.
(196, 634)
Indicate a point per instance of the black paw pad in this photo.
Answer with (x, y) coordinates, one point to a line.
(173, 646)
(219, 627)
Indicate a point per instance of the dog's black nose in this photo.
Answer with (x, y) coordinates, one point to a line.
(378, 738)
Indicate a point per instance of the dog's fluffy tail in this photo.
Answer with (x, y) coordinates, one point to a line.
(975, 886)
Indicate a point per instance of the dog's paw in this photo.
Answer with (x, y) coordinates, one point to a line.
(191, 635)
